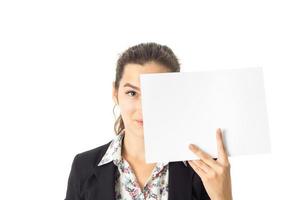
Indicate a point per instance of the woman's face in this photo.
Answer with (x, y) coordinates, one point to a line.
(129, 97)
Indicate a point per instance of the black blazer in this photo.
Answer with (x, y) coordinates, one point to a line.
(88, 181)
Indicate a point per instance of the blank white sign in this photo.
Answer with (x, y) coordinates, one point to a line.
(180, 108)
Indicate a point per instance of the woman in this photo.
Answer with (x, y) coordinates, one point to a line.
(117, 170)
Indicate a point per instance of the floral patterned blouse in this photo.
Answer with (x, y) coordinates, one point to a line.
(126, 185)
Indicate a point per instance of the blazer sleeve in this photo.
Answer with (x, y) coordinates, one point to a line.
(198, 190)
(73, 188)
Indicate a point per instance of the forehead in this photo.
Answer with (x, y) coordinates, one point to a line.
(132, 71)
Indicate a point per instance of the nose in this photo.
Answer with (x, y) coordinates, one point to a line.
(139, 110)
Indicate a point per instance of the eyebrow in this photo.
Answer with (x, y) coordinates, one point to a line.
(129, 85)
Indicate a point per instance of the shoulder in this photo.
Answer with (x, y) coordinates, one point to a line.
(91, 156)
(82, 168)
(85, 162)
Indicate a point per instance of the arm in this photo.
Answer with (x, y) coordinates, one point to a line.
(73, 188)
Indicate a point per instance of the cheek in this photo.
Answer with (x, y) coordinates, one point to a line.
(127, 108)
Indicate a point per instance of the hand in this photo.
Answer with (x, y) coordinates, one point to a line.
(215, 174)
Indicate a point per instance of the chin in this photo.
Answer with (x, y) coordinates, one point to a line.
(139, 132)
(136, 130)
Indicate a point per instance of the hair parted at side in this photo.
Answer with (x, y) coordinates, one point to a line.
(141, 54)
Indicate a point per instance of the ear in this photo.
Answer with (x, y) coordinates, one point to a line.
(114, 93)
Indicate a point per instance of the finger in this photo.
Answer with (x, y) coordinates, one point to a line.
(202, 165)
(203, 155)
(198, 170)
(222, 154)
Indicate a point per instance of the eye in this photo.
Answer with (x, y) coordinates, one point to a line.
(131, 92)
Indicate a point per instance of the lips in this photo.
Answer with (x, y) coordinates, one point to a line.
(139, 122)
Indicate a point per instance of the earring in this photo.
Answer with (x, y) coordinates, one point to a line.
(118, 110)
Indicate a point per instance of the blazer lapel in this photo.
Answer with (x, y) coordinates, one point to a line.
(180, 181)
(105, 187)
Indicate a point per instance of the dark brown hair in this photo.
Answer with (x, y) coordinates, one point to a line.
(141, 54)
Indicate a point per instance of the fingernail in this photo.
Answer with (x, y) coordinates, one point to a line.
(192, 147)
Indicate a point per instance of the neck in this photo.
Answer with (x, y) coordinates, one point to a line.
(133, 147)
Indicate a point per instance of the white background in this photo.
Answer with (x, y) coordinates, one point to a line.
(57, 64)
